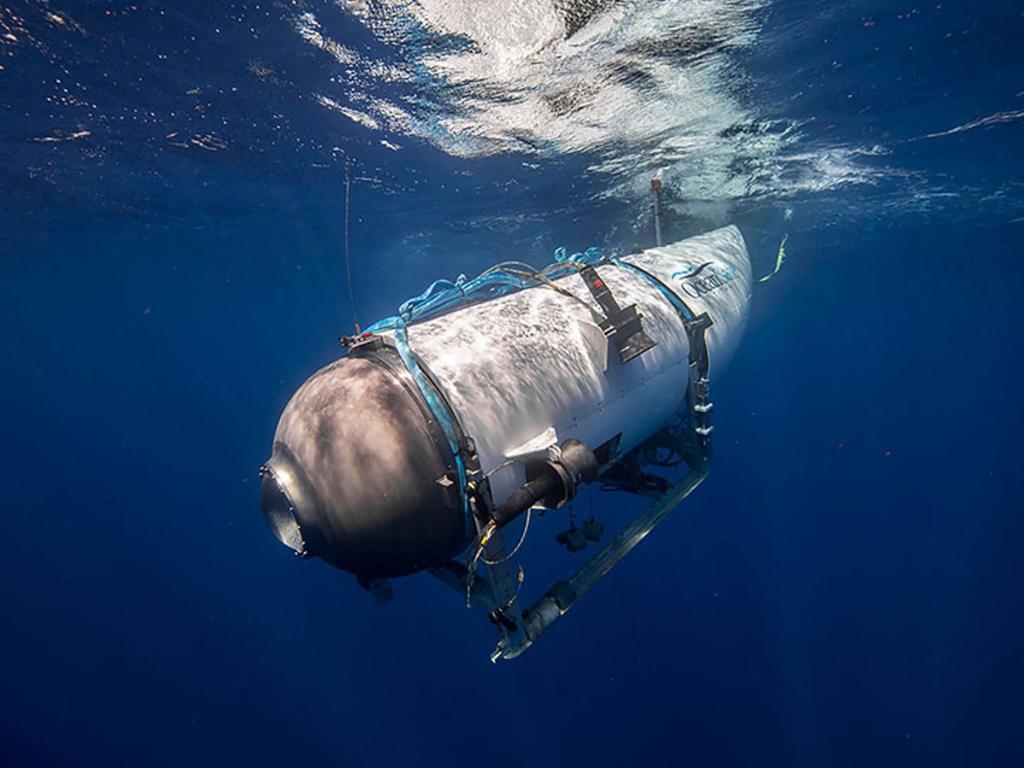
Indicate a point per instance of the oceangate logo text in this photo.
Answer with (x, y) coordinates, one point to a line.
(703, 279)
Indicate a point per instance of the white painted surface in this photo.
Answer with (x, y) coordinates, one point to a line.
(519, 366)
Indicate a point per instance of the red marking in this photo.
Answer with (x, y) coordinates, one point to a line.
(598, 284)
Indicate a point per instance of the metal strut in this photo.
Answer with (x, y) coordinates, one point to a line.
(622, 326)
(564, 594)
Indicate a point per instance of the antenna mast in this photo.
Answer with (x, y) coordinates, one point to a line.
(656, 191)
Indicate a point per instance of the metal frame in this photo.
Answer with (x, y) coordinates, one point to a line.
(563, 595)
(498, 594)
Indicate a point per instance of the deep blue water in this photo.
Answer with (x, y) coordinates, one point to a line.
(844, 590)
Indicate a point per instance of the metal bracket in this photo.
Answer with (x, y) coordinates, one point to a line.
(564, 594)
(504, 589)
(497, 594)
(622, 326)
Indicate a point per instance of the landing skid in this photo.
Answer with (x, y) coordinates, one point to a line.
(564, 594)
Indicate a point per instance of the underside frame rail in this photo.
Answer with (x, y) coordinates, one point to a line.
(564, 594)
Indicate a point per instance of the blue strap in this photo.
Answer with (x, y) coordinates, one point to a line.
(437, 406)
(437, 291)
(667, 292)
(442, 296)
(589, 257)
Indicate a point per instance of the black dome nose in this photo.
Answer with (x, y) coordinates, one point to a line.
(358, 473)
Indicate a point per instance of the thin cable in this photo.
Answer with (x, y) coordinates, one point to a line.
(522, 538)
(519, 588)
(506, 463)
(478, 555)
(502, 264)
(557, 289)
(348, 263)
(485, 534)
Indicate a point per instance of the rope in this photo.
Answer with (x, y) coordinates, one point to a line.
(539, 277)
(443, 296)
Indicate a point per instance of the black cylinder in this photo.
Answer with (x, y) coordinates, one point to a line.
(524, 497)
(552, 482)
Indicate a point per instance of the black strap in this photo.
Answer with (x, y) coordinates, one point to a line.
(698, 342)
(624, 327)
(698, 396)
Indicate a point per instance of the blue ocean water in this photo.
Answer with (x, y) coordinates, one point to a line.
(844, 590)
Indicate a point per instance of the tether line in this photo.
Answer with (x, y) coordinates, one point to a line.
(348, 262)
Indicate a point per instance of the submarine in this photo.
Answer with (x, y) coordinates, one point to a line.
(441, 431)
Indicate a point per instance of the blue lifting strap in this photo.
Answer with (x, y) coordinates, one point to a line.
(668, 293)
(443, 296)
(436, 404)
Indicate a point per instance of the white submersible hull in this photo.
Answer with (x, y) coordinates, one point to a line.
(427, 435)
